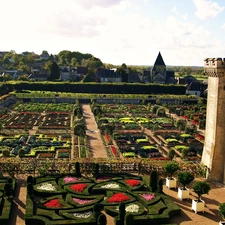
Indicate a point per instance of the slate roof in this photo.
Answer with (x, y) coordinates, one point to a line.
(194, 86)
(82, 69)
(134, 78)
(159, 60)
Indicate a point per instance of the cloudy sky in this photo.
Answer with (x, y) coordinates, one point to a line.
(117, 31)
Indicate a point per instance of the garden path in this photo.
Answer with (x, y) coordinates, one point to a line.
(19, 202)
(93, 134)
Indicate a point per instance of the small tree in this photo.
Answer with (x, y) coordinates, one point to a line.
(170, 168)
(184, 153)
(222, 209)
(201, 188)
(185, 178)
(171, 154)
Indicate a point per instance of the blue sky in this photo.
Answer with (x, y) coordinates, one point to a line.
(117, 31)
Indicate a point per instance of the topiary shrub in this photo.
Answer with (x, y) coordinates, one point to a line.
(30, 189)
(102, 220)
(153, 180)
(200, 188)
(170, 168)
(121, 214)
(30, 180)
(21, 153)
(222, 210)
(129, 219)
(96, 210)
(77, 167)
(9, 180)
(160, 186)
(8, 191)
(96, 169)
(171, 154)
(185, 178)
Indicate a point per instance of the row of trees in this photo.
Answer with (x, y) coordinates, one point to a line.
(12, 60)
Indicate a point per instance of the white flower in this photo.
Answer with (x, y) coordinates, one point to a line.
(47, 187)
(111, 186)
(131, 208)
(83, 215)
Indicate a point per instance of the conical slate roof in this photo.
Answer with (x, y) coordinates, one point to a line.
(159, 60)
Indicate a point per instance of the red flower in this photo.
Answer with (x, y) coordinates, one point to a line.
(113, 150)
(107, 137)
(119, 197)
(78, 187)
(53, 203)
(133, 182)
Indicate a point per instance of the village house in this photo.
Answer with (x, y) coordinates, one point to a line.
(106, 75)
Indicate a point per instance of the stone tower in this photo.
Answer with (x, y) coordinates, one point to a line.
(214, 147)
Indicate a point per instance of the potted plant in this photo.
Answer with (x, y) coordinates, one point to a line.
(171, 168)
(222, 212)
(184, 178)
(200, 188)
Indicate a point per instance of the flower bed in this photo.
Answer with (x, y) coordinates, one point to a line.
(46, 155)
(113, 150)
(77, 201)
(79, 188)
(54, 203)
(70, 179)
(133, 183)
(119, 197)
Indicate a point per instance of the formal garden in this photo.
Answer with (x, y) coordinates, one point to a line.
(48, 141)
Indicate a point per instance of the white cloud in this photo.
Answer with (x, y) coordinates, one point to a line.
(114, 31)
(223, 26)
(100, 3)
(207, 9)
(174, 10)
(185, 16)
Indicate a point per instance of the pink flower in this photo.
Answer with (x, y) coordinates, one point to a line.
(82, 201)
(148, 197)
(70, 179)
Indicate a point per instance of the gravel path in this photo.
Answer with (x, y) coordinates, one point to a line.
(93, 134)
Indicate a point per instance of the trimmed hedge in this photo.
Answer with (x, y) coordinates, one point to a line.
(101, 88)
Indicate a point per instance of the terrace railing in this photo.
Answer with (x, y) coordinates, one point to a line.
(38, 167)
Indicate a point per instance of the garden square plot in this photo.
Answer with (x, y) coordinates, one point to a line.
(56, 121)
(23, 120)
